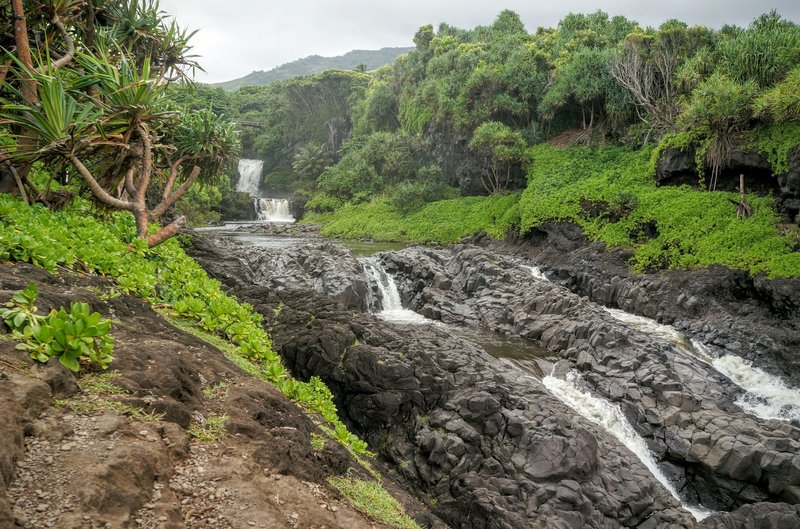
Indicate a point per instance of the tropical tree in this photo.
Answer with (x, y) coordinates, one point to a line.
(100, 108)
(503, 147)
(311, 161)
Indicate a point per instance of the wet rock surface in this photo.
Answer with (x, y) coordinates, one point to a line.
(426, 400)
(727, 310)
(722, 457)
(482, 444)
(323, 267)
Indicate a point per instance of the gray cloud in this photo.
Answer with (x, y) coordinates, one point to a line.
(236, 37)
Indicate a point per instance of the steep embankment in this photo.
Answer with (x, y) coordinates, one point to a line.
(175, 435)
(178, 432)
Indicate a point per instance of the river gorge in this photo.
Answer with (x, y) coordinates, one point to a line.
(538, 381)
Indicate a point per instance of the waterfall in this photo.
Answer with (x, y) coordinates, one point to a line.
(273, 210)
(536, 272)
(267, 209)
(249, 176)
(666, 332)
(766, 396)
(610, 418)
(389, 307)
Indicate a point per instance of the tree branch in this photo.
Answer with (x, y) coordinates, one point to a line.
(168, 202)
(166, 232)
(70, 53)
(101, 194)
(173, 175)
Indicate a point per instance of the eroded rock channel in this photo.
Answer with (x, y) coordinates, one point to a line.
(488, 443)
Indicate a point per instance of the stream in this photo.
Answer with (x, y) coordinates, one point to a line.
(761, 395)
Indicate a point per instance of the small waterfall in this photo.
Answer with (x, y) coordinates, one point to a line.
(666, 332)
(766, 396)
(389, 307)
(611, 418)
(536, 272)
(267, 209)
(273, 210)
(249, 176)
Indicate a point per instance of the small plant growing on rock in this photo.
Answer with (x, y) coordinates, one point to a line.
(209, 429)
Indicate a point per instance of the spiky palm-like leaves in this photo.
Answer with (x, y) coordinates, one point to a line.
(312, 160)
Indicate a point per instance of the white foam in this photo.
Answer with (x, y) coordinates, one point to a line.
(767, 396)
(393, 310)
(610, 418)
(536, 272)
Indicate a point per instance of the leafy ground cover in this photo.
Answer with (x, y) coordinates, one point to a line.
(610, 193)
(164, 276)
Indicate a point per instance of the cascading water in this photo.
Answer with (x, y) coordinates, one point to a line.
(249, 176)
(536, 272)
(389, 307)
(766, 396)
(610, 417)
(273, 210)
(267, 209)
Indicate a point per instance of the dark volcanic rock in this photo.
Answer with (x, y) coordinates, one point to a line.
(484, 445)
(682, 406)
(460, 166)
(759, 516)
(676, 166)
(323, 267)
(728, 310)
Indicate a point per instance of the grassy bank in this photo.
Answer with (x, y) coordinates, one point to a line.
(610, 192)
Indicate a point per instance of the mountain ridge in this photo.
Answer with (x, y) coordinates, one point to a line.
(315, 64)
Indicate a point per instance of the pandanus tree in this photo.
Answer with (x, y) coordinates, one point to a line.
(100, 109)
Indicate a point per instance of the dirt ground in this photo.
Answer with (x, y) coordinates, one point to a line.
(100, 467)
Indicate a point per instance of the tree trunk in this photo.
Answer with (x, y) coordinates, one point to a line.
(743, 209)
(24, 52)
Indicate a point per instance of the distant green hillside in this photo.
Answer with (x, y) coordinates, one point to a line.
(315, 64)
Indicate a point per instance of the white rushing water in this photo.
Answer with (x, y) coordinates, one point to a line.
(273, 210)
(766, 396)
(249, 176)
(267, 209)
(393, 310)
(609, 417)
(667, 332)
(536, 272)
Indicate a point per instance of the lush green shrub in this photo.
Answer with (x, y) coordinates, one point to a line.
(690, 228)
(72, 337)
(445, 221)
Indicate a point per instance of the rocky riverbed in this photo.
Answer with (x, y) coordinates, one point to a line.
(485, 445)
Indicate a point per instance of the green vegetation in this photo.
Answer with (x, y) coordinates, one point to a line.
(445, 221)
(610, 194)
(164, 276)
(100, 108)
(372, 498)
(210, 430)
(99, 393)
(73, 337)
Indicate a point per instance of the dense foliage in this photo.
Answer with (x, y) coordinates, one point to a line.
(85, 93)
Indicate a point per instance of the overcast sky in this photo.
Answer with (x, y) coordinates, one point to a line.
(236, 37)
